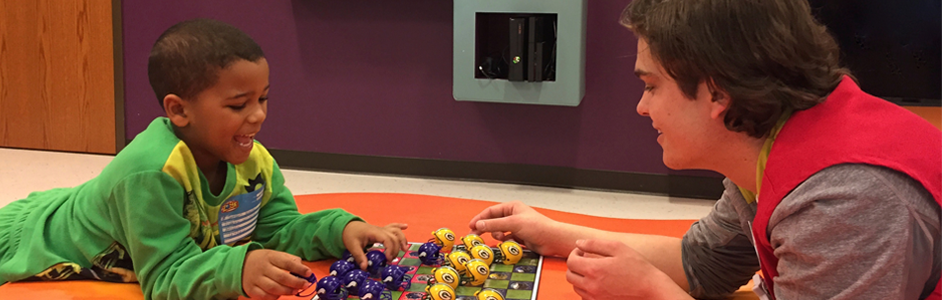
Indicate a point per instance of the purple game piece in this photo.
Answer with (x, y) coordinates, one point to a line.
(394, 277)
(430, 254)
(347, 256)
(376, 261)
(341, 267)
(374, 290)
(331, 288)
(354, 279)
(312, 279)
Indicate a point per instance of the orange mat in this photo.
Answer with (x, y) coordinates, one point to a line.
(423, 213)
(930, 113)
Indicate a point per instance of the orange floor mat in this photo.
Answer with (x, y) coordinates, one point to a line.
(423, 213)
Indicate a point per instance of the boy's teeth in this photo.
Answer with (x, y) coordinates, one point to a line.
(243, 139)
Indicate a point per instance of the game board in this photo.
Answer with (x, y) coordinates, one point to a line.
(518, 282)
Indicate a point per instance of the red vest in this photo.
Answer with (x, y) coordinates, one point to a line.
(850, 126)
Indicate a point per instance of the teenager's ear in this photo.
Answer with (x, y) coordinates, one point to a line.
(176, 108)
(720, 100)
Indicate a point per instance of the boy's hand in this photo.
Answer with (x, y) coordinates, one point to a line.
(358, 235)
(265, 274)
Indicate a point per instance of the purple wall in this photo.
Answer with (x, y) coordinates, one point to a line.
(373, 77)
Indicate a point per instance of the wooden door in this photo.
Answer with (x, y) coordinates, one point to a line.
(57, 75)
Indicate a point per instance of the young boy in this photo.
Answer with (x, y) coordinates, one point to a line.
(832, 193)
(193, 208)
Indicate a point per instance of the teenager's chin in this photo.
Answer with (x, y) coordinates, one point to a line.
(672, 163)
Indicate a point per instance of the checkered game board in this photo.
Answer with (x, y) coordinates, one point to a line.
(518, 281)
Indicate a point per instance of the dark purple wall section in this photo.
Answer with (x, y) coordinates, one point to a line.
(371, 77)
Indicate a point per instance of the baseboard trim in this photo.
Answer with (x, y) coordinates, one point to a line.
(662, 184)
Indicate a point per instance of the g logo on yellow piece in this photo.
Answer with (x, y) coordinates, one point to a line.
(444, 237)
(511, 252)
(478, 270)
(457, 259)
(440, 291)
(488, 294)
(447, 275)
(472, 240)
(483, 252)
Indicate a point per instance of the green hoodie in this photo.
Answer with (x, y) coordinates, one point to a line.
(150, 217)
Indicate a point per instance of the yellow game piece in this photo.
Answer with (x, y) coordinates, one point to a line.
(445, 238)
(439, 291)
(472, 240)
(477, 271)
(457, 259)
(488, 294)
(511, 252)
(483, 252)
(446, 275)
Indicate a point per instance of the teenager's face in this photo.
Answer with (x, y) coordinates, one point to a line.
(687, 128)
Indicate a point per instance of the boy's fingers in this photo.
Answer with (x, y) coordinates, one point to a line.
(292, 264)
(254, 292)
(259, 293)
(400, 226)
(401, 237)
(392, 244)
(357, 252)
(289, 280)
(274, 288)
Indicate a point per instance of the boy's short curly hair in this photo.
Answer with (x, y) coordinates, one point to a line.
(187, 58)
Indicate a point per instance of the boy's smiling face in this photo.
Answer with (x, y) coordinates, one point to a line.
(221, 123)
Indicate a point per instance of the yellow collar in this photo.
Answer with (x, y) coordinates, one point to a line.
(764, 157)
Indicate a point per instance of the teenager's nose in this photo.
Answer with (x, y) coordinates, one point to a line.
(642, 107)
